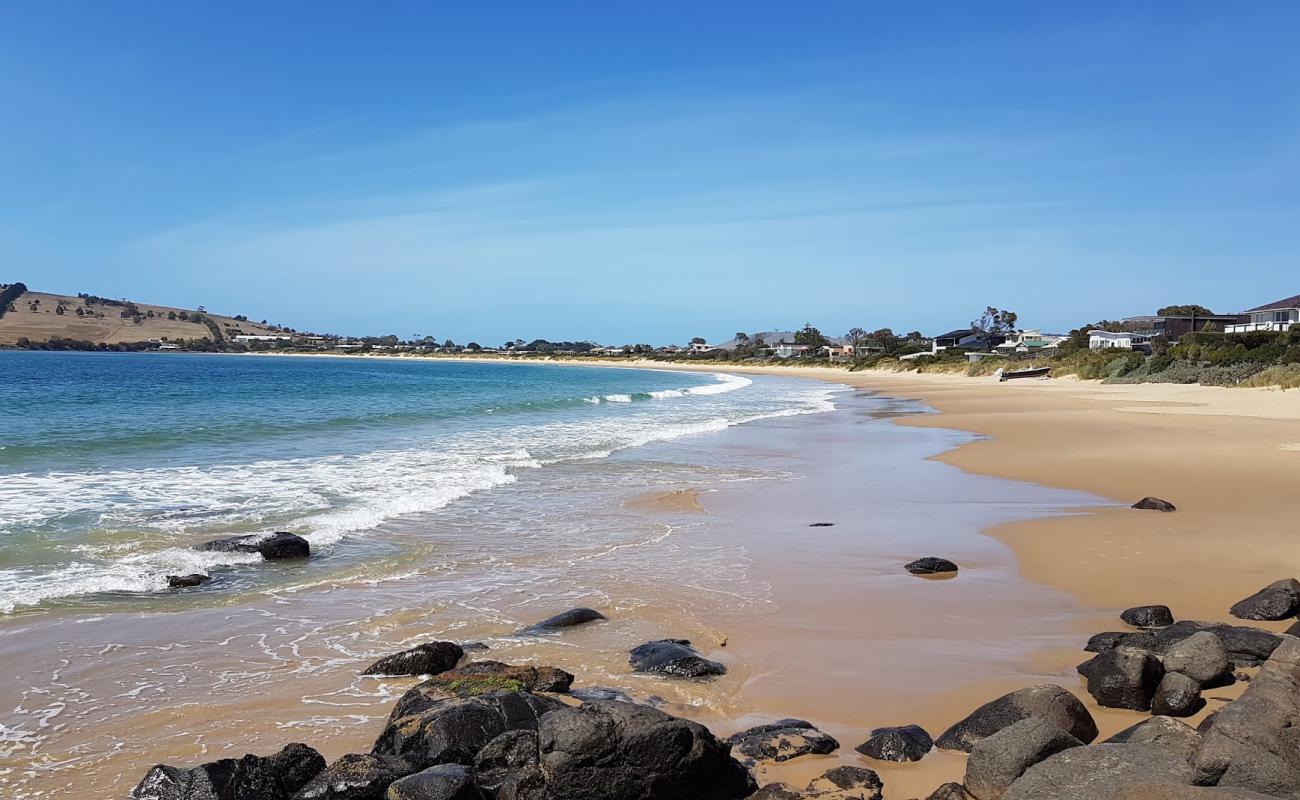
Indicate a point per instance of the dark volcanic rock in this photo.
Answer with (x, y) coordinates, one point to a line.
(1048, 701)
(1174, 791)
(185, 581)
(1202, 658)
(506, 757)
(593, 694)
(901, 743)
(1105, 641)
(1246, 647)
(430, 658)
(997, 761)
(846, 783)
(1177, 696)
(570, 618)
(275, 546)
(930, 565)
(776, 791)
(355, 776)
(616, 750)
(1148, 616)
(673, 657)
(274, 777)
(478, 678)
(782, 741)
(1254, 741)
(443, 782)
(1166, 732)
(1123, 677)
(1278, 600)
(1099, 772)
(430, 731)
(1154, 504)
(950, 791)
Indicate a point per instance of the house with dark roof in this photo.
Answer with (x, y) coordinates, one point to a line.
(1278, 316)
(970, 339)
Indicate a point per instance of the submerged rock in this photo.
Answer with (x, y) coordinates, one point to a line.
(1123, 677)
(931, 565)
(570, 618)
(997, 761)
(275, 777)
(1154, 504)
(430, 658)
(276, 546)
(1148, 616)
(186, 581)
(901, 743)
(1047, 701)
(673, 657)
(1278, 600)
(782, 741)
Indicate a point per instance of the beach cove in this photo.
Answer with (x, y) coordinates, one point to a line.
(814, 622)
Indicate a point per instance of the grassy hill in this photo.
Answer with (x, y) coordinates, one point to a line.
(38, 317)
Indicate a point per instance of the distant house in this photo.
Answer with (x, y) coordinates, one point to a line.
(839, 352)
(1173, 326)
(966, 339)
(789, 350)
(248, 337)
(1121, 340)
(1031, 341)
(701, 347)
(1278, 316)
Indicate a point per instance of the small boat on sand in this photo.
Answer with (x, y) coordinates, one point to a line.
(1036, 372)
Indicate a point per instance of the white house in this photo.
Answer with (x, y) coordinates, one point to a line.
(1279, 316)
(1122, 340)
(247, 337)
(789, 350)
(1031, 341)
(701, 347)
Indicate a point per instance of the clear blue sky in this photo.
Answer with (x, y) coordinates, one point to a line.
(652, 171)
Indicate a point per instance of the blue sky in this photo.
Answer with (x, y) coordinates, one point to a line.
(653, 171)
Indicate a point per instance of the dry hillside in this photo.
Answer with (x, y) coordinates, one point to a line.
(35, 316)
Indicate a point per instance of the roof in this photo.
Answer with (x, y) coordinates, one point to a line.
(957, 334)
(1290, 302)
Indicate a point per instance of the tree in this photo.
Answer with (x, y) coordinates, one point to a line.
(1185, 311)
(995, 321)
(914, 336)
(699, 340)
(473, 347)
(810, 336)
(856, 336)
(741, 337)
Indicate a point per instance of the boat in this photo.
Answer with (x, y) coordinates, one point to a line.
(1036, 372)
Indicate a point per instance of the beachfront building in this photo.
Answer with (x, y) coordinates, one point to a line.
(1279, 316)
(789, 350)
(839, 352)
(702, 347)
(1031, 342)
(1173, 326)
(248, 338)
(971, 339)
(1120, 340)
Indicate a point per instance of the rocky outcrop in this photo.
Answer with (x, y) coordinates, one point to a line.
(1278, 600)
(1177, 696)
(1167, 732)
(839, 783)
(1123, 677)
(901, 743)
(479, 678)
(275, 777)
(1105, 641)
(1202, 658)
(504, 759)
(1046, 701)
(443, 782)
(1099, 772)
(1174, 791)
(673, 657)
(356, 776)
(1245, 646)
(931, 565)
(430, 732)
(1254, 741)
(1154, 504)
(782, 741)
(430, 658)
(950, 791)
(1148, 616)
(997, 761)
(570, 618)
(275, 546)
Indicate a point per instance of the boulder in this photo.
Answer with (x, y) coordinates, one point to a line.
(782, 741)
(271, 547)
(1246, 647)
(1254, 742)
(1177, 696)
(275, 777)
(901, 743)
(1148, 616)
(453, 730)
(997, 761)
(1278, 600)
(1166, 732)
(950, 791)
(443, 782)
(1154, 504)
(479, 678)
(570, 618)
(505, 758)
(1174, 791)
(931, 565)
(355, 776)
(1123, 677)
(430, 658)
(186, 581)
(673, 657)
(1105, 641)
(777, 791)
(1099, 772)
(1202, 658)
(846, 783)
(1047, 701)
(610, 750)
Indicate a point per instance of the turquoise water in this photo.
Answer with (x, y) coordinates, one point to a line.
(113, 466)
